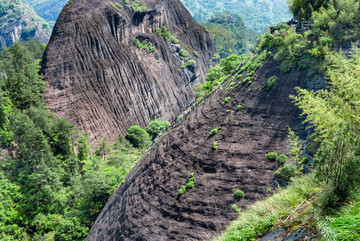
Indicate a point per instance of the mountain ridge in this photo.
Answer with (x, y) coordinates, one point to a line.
(112, 67)
(19, 22)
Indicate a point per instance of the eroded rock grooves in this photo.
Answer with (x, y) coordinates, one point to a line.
(147, 206)
(96, 77)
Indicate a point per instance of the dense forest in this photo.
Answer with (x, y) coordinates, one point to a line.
(53, 184)
(230, 34)
(258, 15)
(48, 9)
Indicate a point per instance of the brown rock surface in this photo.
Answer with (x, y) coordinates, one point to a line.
(146, 206)
(96, 77)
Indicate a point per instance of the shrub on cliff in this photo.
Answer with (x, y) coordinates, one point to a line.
(138, 137)
(155, 127)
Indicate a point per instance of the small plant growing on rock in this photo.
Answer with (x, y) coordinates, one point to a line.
(167, 35)
(196, 54)
(236, 208)
(282, 158)
(190, 184)
(183, 53)
(214, 146)
(227, 99)
(271, 81)
(152, 49)
(188, 63)
(239, 107)
(213, 132)
(238, 193)
(272, 156)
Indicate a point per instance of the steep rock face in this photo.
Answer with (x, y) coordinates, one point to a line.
(147, 205)
(99, 80)
(19, 22)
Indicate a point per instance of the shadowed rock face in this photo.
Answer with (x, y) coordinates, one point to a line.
(97, 78)
(147, 205)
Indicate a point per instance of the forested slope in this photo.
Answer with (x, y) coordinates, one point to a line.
(48, 9)
(258, 15)
(19, 22)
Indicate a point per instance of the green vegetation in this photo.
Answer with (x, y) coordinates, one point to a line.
(190, 62)
(49, 10)
(167, 35)
(19, 10)
(303, 9)
(213, 132)
(231, 37)
(239, 107)
(336, 23)
(145, 45)
(259, 15)
(52, 187)
(196, 54)
(272, 156)
(116, 5)
(138, 7)
(344, 225)
(155, 127)
(236, 208)
(238, 193)
(138, 137)
(219, 73)
(214, 145)
(271, 81)
(335, 115)
(260, 217)
(135, 5)
(286, 172)
(282, 158)
(10, 10)
(184, 53)
(189, 185)
(226, 100)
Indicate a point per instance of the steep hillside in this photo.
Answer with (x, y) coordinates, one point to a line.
(113, 64)
(48, 9)
(19, 21)
(258, 15)
(253, 119)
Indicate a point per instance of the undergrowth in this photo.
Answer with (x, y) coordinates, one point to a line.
(262, 216)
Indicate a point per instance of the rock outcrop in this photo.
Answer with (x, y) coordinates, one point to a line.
(19, 22)
(99, 80)
(253, 122)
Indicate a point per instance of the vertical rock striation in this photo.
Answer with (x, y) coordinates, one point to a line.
(99, 80)
(147, 206)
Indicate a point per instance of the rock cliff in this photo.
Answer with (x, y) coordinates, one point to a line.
(253, 122)
(113, 64)
(19, 22)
